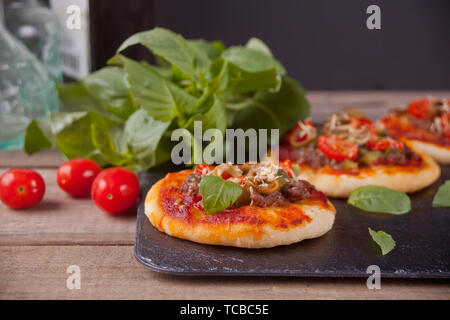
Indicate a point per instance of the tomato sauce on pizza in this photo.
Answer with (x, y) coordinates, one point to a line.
(345, 143)
(425, 119)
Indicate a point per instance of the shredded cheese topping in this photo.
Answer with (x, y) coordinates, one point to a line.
(340, 124)
(439, 109)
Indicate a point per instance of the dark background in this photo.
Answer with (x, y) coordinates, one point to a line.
(324, 43)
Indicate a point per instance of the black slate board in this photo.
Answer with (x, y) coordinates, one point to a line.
(422, 250)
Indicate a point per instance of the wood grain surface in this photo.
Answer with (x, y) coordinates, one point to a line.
(111, 272)
(37, 245)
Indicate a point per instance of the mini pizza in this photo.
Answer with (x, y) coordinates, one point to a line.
(274, 207)
(349, 152)
(425, 124)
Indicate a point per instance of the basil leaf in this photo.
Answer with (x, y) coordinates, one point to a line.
(211, 49)
(218, 194)
(241, 81)
(74, 98)
(384, 240)
(214, 117)
(111, 144)
(258, 44)
(280, 109)
(172, 47)
(143, 134)
(380, 199)
(442, 197)
(252, 60)
(38, 136)
(110, 86)
(251, 70)
(133, 145)
(162, 99)
(73, 132)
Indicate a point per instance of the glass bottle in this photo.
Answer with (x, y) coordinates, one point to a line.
(38, 28)
(25, 89)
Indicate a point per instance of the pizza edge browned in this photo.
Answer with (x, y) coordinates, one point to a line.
(407, 179)
(438, 152)
(437, 148)
(322, 219)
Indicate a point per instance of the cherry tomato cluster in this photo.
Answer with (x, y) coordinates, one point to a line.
(114, 190)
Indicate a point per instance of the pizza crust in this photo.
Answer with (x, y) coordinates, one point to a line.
(241, 234)
(341, 185)
(440, 153)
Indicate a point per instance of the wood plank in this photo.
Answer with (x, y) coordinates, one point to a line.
(19, 159)
(111, 272)
(61, 219)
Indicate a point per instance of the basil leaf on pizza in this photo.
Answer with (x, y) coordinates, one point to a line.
(218, 194)
(442, 197)
(380, 199)
(384, 240)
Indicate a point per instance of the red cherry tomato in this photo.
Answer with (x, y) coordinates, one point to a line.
(336, 148)
(445, 121)
(297, 135)
(359, 123)
(203, 169)
(225, 176)
(77, 175)
(385, 143)
(286, 165)
(21, 188)
(419, 108)
(115, 190)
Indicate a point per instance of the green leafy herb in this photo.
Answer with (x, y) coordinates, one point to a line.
(212, 49)
(143, 135)
(442, 197)
(75, 97)
(124, 113)
(380, 199)
(252, 60)
(73, 132)
(262, 111)
(38, 136)
(172, 47)
(257, 44)
(384, 240)
(110, 86)
(218, 194)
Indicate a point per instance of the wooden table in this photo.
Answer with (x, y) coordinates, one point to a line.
(37, 245)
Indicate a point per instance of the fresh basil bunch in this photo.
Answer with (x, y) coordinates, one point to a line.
(123, 114)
